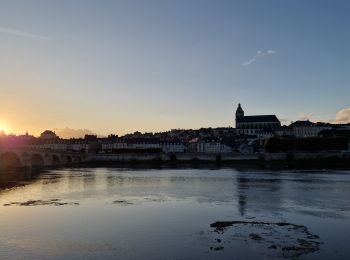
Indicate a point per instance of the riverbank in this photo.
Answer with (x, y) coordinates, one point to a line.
(331, 163)
(252, 162)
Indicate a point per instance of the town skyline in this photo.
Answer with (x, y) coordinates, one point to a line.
(135, 66)
(67, 133)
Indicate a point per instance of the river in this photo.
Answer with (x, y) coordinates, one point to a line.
(123, 213)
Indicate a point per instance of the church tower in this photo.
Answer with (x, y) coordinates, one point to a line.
(239, 112)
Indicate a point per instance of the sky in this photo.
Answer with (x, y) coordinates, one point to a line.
(120, 66)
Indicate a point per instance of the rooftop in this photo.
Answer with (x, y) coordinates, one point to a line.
(253, 119)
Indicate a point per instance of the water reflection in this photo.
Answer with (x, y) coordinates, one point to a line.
(10, 178)
(242, 196)
(256, 191)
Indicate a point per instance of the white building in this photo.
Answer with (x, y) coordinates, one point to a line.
(142, 143)
(172, 147)
(109, 145)
(304, 129)
(78, 146)
(73, 145)
(55, 145)
(212, 147)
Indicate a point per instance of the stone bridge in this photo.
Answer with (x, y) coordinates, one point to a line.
(21, 157)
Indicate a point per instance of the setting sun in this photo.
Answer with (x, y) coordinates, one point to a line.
(4, 127)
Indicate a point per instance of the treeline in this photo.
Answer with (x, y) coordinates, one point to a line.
(274, 145)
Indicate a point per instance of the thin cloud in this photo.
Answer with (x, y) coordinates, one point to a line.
(284, 120)
(72, 133)
(343, 116)
(15, 32)
(259, 55)
(304, 116)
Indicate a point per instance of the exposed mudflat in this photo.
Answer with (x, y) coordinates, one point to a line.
(51, 202)
(283, 239)
(123, 202)
(137, 201)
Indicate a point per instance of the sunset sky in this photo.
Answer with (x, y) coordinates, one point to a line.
(121, 66)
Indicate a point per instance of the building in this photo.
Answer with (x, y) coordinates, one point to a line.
(142, 143)
(212, 146)
(172, 146)
(285, 132)
(63, 145)
(110, 144)
(303, 129)
(208, 145)
(260, 125)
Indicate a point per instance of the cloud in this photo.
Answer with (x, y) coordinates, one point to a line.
(15, 32)
(284, 120)
(304, 116)
(259, 55)
(343, 116)
(72, 133)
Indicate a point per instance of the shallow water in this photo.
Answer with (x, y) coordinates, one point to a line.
(114, 213)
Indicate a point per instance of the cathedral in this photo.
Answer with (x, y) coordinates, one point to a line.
(255, 125)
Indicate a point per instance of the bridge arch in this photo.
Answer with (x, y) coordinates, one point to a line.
(77, 159)
(69, 159)
(55, 159)
(9, 159)
(37, 160)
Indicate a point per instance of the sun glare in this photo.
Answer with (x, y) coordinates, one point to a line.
(4, 127)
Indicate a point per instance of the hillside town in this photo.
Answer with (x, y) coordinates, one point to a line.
(253, 134)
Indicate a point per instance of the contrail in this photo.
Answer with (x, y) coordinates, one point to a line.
(21, 33)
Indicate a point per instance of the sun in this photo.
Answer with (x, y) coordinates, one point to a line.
(4, 127)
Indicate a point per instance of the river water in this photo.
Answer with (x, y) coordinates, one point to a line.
(121, 213)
